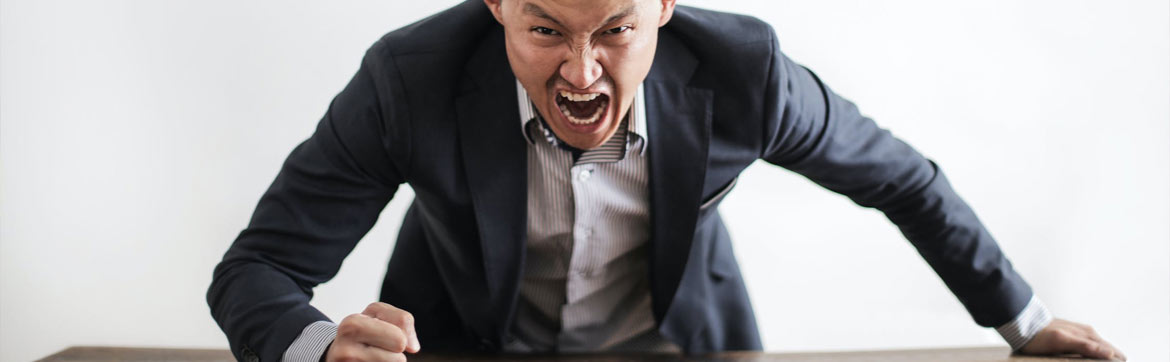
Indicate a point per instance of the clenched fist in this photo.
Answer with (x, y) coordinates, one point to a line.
(380, 333)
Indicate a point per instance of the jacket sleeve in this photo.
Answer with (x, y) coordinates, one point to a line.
(822, 136)
(328, 194)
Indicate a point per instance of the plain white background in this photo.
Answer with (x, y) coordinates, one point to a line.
(136, 137)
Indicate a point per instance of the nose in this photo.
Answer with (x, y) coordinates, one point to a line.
(581, 69)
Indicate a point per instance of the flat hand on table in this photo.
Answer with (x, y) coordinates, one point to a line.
(1064, 337)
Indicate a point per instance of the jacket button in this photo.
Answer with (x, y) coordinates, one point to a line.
(250, 356)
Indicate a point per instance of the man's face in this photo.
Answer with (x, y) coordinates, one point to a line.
(581, 60)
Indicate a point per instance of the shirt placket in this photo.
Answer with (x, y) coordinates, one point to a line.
(585, 213)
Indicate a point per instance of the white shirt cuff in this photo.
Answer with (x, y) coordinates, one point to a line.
(1030, 321)
(312, 343)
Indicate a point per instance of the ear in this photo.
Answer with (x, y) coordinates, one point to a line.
(494, 6)
(667, 12)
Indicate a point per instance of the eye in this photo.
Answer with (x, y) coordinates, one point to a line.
(618, 30)
(545, 31)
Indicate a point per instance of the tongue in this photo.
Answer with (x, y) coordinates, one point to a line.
(583, 109)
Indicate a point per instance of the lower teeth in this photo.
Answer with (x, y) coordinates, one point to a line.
(592, 118)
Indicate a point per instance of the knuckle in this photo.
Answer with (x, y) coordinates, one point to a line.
(349, 326)
(406, 318)
(352, 318)
(398, 344)
(347, 354)
(346, 330)
(1087, 346)
(373, 308)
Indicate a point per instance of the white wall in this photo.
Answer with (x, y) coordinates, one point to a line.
(136, 136)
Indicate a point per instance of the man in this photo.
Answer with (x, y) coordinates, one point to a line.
(568, 158)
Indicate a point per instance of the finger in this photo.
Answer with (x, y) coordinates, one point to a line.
(396, 357)
(353, 351)
(1092, 334)
(1088, 348)
(378, 354)
(1114, 352)
(398, 317)
(377, 333)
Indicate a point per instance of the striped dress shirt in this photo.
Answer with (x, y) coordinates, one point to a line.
(586, 283)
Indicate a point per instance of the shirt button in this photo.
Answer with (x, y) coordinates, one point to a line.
(584, 175)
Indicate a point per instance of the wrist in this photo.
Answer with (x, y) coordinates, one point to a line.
(1029, 322)
(324, 356)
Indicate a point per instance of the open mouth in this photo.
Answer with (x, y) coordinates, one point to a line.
(582, 109)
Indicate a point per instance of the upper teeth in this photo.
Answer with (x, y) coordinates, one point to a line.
(579, 97)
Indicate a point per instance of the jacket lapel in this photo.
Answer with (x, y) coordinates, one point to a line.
(495, 161)
(680, 129)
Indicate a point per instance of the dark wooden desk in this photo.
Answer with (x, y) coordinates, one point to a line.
(911, 355)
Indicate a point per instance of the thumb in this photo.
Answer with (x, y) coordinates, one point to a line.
(412, 345)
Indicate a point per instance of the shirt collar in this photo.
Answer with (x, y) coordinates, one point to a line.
(637, 114)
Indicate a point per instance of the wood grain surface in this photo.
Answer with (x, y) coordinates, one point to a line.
(980, 354)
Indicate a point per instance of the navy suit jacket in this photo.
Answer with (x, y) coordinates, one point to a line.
(433, 105)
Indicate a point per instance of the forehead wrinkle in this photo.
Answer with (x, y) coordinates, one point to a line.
(534, 10)
(629, 10)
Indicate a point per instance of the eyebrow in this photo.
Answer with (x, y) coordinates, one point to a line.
(534, 10)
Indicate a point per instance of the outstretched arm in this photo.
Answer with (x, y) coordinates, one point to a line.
(822, 136)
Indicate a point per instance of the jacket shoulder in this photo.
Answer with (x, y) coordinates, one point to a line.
(455, 31)
(428, 56)
(714, 32)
